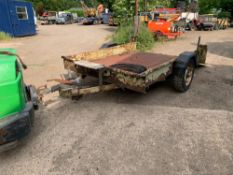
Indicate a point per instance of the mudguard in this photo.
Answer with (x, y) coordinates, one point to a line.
(198, 56)
(184, 58)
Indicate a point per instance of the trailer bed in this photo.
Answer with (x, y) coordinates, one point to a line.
(148, 60)
(120, 67)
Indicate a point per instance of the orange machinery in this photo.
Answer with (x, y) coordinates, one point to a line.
(163, 25)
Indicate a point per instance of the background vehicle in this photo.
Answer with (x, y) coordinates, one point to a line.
(18, 101)
(65, 18)
(92, 15)
(75, 17)
(231, 23)
(162, 26)
(146, 16)
(206, 22)
(49, 17)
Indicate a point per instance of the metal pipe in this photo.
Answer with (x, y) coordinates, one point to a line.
(12, 54)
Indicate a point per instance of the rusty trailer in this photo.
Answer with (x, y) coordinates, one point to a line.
(123, 67)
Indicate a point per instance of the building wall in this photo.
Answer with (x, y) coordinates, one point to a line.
(17, 18)
(5, 24)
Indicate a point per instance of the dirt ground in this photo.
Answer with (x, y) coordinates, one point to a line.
(122, 132)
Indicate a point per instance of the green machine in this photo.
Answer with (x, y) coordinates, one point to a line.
(17, 101)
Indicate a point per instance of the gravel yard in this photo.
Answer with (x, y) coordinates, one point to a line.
(123, 132)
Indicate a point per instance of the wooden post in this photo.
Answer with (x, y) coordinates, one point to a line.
(136, 7)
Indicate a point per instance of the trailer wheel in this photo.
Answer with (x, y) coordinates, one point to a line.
(183, 77)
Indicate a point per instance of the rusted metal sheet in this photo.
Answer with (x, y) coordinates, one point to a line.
(149, 60)
(129, 81)
(158, 75)
(140, 82)
(158, 68)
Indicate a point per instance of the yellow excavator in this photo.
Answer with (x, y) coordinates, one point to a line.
(92, 15)
(88, 12)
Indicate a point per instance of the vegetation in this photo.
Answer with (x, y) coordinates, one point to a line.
(4, 36)
(222, 7)
(125, 34)
(54, 5)
(145, 38)
(79, 12)
(125, 8)
(121, 7)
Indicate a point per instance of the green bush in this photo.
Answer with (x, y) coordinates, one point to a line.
(78, 12)
(145, 39)
(125, 34)
(4, 36)
(224, 14)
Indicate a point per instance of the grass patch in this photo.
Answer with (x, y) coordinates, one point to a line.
(4, 36)
(124, 34)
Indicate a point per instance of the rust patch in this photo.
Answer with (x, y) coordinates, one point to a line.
(149, 60)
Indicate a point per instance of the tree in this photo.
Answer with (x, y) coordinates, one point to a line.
(219, 5)
(54, 5)
(40, 8)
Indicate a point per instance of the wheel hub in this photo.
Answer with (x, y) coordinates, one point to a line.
(188, 75)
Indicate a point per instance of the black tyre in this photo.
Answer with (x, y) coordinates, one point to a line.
(183, 77)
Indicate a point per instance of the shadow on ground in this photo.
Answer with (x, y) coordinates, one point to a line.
(212, 88)
(221, 48)
(112, 29)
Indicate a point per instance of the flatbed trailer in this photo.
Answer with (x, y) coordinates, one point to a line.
(123, 67)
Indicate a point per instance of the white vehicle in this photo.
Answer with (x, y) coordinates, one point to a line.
(49, 17)
(64, 18)
(75, 17)
(189, 16)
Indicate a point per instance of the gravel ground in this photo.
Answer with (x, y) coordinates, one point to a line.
(122, 132)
